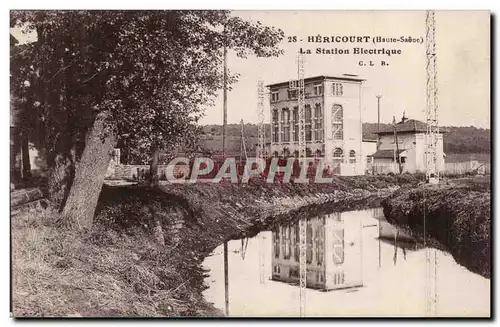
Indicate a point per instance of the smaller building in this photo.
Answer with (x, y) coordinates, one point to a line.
(368, 147)
(409, 151)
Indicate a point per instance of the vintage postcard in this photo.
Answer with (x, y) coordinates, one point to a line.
(209, 163)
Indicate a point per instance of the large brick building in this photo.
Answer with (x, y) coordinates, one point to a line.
(332, 121)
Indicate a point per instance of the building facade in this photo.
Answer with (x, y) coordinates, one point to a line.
(410, 149)
(333, 128)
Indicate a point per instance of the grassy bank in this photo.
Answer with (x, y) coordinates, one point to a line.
(119, 268)
(457, 216)
(102, 272)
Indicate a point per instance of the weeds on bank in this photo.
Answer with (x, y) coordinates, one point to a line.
(61, 272)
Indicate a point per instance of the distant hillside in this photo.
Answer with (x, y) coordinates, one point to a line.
(457, 140)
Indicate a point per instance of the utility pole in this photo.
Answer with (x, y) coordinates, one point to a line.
(396, 153)
(224, 117)
(378, 121)
(224, 122)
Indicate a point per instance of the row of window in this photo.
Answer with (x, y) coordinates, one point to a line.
(338, 154)
(291, 240)
(337, 89)
(285, 133)
(287, 153)
(294, 272)
(337, 124)
(293, 125)
(285, 113)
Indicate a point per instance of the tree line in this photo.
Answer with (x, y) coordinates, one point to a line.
(457, 139)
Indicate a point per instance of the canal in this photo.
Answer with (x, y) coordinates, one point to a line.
(351, 272)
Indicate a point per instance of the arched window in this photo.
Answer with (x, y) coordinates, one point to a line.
(320, 236)
(308, 119)
(297, 243)
(317, 110)
(338, 246)
(286, 240)
(307, 112)
(352, 156)
(318, 154)
(275, 154)
(275, 115)
(276, 241)
(337, 155)
(309, 240)
(275, 129)
(318, 123)
(338, 113)
(295, 124)
(308, 153)
(337, 122)
(286, 152)
(296, 154)
(285, 116)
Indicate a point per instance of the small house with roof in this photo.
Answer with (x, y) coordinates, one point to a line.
(409, 149)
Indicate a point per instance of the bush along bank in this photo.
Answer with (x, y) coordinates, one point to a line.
(144, 253)
(457, 217)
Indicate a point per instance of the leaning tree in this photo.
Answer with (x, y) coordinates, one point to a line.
(141, 77)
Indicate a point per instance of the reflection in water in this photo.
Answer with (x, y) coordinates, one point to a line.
(360, 274)
(333, 252)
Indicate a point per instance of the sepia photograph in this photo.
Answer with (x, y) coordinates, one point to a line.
(250, 163)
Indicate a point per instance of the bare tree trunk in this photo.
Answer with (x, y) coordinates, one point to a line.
(25, 156)
(60, 179)
(89, 177)
(153, 168)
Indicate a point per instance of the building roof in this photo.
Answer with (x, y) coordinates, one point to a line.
(386, 153)
(409, 126)
(345, 77)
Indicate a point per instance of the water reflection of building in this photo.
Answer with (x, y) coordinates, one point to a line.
(333, 253)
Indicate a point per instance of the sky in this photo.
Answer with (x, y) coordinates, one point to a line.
(463, 64)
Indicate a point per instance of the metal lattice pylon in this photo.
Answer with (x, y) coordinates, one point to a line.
(260, 109)
(431, 139)
(299, 86)
(261, 154)
(431, 113)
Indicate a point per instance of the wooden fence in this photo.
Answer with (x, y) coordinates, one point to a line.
(450, 168)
